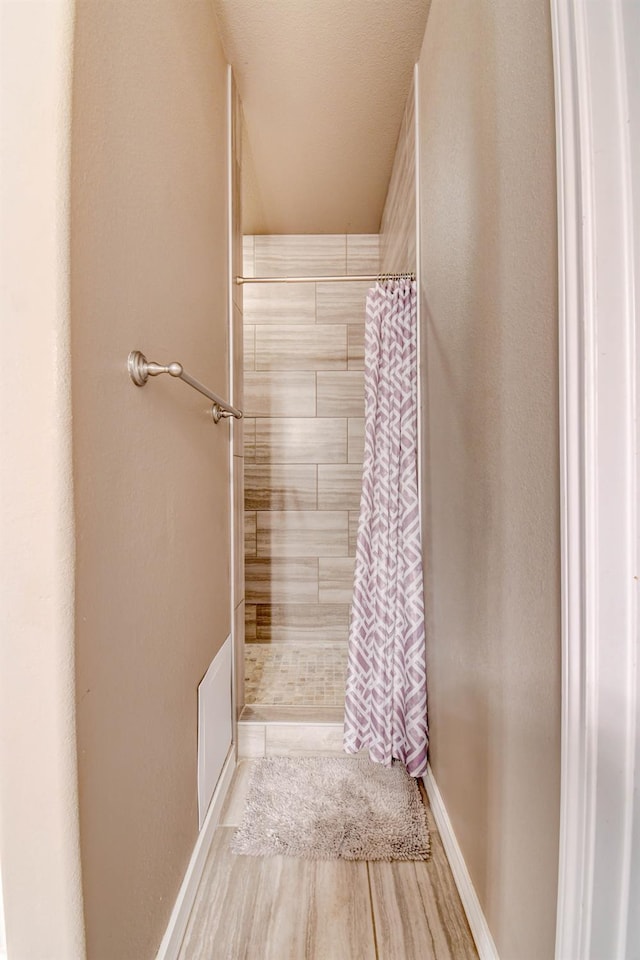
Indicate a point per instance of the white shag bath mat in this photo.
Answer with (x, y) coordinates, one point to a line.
(326, 808)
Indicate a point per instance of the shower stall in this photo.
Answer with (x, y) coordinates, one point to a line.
(298, 459)
(304, 404)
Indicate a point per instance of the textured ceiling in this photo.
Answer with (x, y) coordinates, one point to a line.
(323, 85)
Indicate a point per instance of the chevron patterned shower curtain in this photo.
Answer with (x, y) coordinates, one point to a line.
(386, 694)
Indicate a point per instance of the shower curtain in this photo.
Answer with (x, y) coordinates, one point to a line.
(386, 691)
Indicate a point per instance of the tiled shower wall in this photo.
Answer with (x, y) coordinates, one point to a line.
(304, 404)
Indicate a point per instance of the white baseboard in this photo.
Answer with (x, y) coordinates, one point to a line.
(176, 928)
(477, 920)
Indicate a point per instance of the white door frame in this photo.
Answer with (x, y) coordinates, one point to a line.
(598, 267)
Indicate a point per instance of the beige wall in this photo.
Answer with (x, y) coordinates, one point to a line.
(149, 271)
(488, 239)
(39, 850)
(304, 399)
(323, 88)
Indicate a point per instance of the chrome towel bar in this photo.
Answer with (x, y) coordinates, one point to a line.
(140, 369)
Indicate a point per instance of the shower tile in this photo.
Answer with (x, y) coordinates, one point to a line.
(279, 303)
(251, 741)
(341, 302)
(239, 617)
(275, 395)
(280, 486)
(249, 347)
(302, 533)
(355, 433)
(269, 713)
(323, 255)
(236, 271)
(281, 580)
(339, 486)
(335, 580)
(237, 392)
(302, 622)
(304, 740)
(298, 440)
(354, 516)
(248, 246)
(237, 436)
(249, 534)
(363, 253)
(304, 405)
(355, 347)
(303, 674)
(295, 347)
(249, 440)
(238, 532)
(250, 622)
(340, 394)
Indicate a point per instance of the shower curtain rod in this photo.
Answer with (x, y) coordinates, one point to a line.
(369, 279)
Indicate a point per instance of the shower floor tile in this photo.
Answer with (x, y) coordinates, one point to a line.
(295, 674)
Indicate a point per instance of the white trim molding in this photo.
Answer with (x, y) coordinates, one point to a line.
(234, 431)
(598, 416)
(176, 928)
(477, 920)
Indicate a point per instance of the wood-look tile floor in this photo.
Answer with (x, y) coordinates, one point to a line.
(279, 908)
